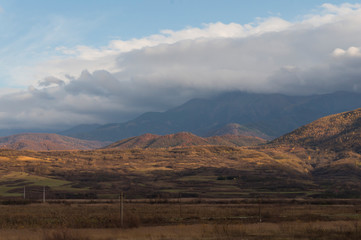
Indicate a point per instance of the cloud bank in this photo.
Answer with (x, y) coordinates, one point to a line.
(319, 54)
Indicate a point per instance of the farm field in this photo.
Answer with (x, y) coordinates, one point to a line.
(205, 219)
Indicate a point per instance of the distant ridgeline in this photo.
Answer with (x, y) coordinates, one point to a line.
(262, 115)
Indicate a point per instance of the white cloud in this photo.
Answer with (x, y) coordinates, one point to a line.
(319, 54)
(350, 52)
(74, 60)
(338, 52)
(343, 9)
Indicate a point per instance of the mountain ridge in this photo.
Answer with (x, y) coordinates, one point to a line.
(337, 132)
(183, 139)
(46, 142)
(271, 114)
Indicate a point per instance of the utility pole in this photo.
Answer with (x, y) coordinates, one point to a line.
(180, 205)
(24, 192)
(121, 205)
(259, 209)
(44, 194)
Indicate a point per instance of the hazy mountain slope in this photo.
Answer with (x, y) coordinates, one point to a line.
(45, 141)
(237, 130)
(80, 129)
(235, 140)
(339, 132)
(183, 139)
(271, 114)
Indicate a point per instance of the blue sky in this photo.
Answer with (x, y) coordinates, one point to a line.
(128, 19)
(69, 62)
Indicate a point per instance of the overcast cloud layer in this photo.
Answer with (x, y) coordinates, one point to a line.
(319, 54)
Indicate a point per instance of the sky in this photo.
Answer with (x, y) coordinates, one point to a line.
(64, 63)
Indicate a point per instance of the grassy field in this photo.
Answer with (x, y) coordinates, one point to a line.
(12, 184)
(232, 219)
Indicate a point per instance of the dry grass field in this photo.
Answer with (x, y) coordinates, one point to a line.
(232, 219)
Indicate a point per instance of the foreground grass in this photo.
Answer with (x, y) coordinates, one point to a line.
(214, 220)
(293, 230)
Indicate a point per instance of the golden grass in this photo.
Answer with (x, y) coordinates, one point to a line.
(27, 158)
(4, 158)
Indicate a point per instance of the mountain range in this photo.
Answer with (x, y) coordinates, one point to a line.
(230, 119)
(252, 114)
(319, 159)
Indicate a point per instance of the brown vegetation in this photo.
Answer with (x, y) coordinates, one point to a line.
(197, 171)
(46, 142)
(184, 139)
(185, 220)
(339, 132)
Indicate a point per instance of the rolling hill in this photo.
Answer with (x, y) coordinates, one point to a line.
(184, 139)
(339, 132)
(270, 115)
(45, 142)
(332, 146)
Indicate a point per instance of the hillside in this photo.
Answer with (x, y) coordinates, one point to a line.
(184, 139)
(270, 115)
(45, 142)
(194, 171)
(339, 132)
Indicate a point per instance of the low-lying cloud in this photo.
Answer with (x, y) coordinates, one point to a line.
(319, 54)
